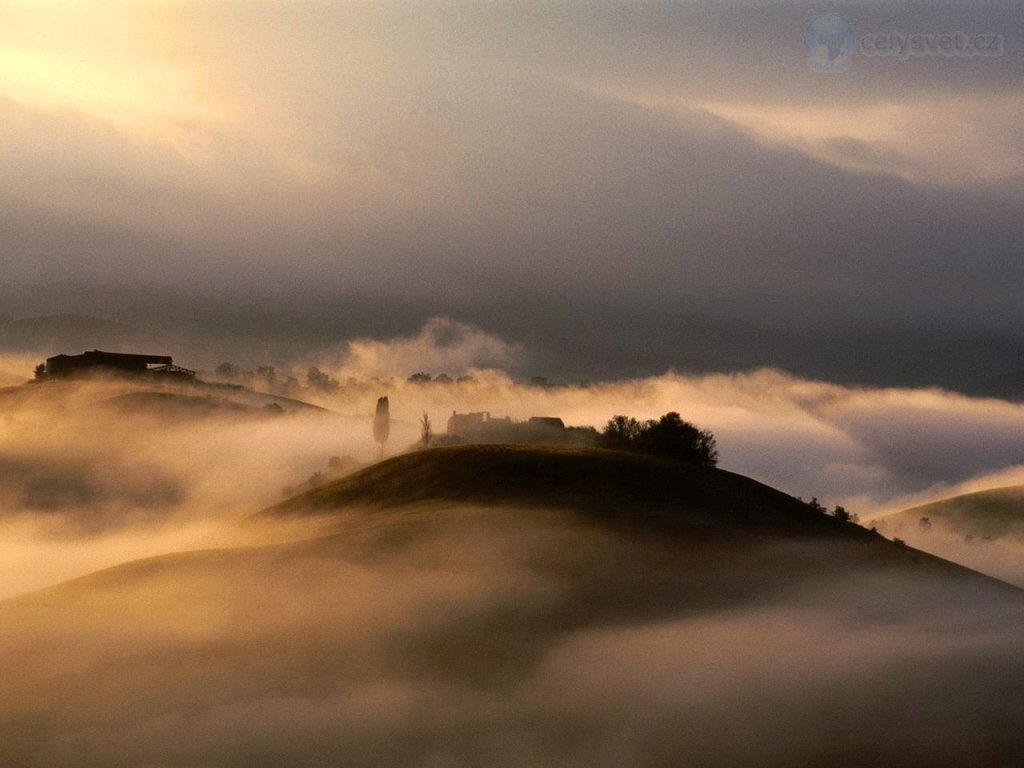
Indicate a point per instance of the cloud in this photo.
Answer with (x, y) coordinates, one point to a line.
(859, 446)
(43, 484)
(443, 345)
(502, 637)
(593, 154)
(125, 474)
(91, 476)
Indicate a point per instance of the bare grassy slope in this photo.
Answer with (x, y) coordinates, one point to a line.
(993, 513)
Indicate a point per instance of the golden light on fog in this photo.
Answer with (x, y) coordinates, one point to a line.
(940, 139)
(571, 217)
(935, 140)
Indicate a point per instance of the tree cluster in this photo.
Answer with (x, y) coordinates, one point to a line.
(838, 512)
(669, 437)
(422, 377)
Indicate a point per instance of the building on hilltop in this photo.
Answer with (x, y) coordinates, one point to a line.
(481, 427)
(70, 366)
(478, 426)
(546, 422)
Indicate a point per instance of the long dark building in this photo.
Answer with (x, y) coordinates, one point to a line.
(67, 366)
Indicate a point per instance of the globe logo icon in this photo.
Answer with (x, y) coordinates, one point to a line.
(829, 43)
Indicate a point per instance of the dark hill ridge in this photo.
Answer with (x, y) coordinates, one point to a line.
(606, 482)
(554, 476)
(651, 495)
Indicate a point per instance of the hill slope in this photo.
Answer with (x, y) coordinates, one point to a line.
(596, 480)
(989, 514)
(656, 496)
(983, 530)
(520, 606)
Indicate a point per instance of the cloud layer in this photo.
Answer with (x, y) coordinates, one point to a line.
(646, 156)
(505, 637)
(97, 464)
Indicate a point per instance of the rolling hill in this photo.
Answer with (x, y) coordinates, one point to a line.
(198, 399)
(982, 530)
(991, 514)
(650, 495)
(507, 605)
(157, 397)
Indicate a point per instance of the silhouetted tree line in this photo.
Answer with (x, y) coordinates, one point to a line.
(670, 437)
(422, 377)
(838, 512)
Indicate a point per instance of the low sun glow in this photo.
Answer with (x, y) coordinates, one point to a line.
(97, 61)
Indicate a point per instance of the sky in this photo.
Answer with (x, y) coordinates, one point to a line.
(532, 167)
(669, 199)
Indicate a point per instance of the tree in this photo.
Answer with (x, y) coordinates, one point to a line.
(41, 371)
(420, 378)
(268, 374)
(318, 380)
(621, 433)
(226, 371)
(841, 513)
(381, 423)
(425, 430)
(670, 437)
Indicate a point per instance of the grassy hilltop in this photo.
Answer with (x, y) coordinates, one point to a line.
(648, 496)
